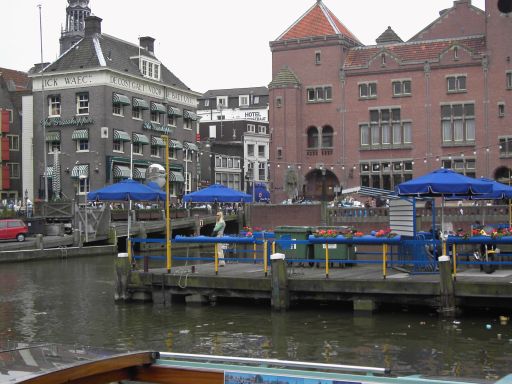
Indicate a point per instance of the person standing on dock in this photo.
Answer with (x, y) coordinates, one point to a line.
(218, 231)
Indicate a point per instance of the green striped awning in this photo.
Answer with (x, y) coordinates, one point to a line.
(176, 177)
(121, 136)
(139, 173)
(173, 111)
(190, 115)
(175, 144)
(157, 141)
(140, 103)
(119, 99)
(139, 138)
(49, 171)
(80, 134)
(53, 137)
(121, 171)
(157, 107)
(190, 146)
(80, 170)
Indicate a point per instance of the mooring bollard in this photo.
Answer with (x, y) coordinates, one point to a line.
(280, 297)
(123, 271)
(447, 289)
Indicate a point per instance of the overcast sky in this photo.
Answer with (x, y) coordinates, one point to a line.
(207, 44)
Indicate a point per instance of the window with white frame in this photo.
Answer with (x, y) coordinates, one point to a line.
(250, 149)
(137, 113)
(262, 169)
(11, 115)
(14, 170)
(150, 68)
(82, 103)
(261, 151)
(118, 109)
(505, 146)
(243, 100)
(501, 109)
(456, 83)
(367, 90)
(207, 102)
(188, 155)
(401, 88)
(509, 80)
(386, 174)
(255, 99)
(156, 151)
(54, 105)
(14, 142)
(138, 149)
(222, 101)
(173, 153)
(157, 117)
(188, 181)
(262, 129)
(118, 146)
(279, 102)
(319, 94)
(82, 145)
(83, 186)
(187, 123)
(251, 128)
(465, 166)
(458, 123)
(318, 57)
(53, 146)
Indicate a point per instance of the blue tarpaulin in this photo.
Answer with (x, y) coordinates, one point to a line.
(261, 195)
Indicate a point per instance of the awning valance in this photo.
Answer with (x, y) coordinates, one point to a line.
(176, 177)
(139, 173)
(140, 103)
(157, 107)
(52, 137)
(119, 99)
(80, 170)
(121, 171)
(80, 134)
(157, 141)
(121, 136)
(49, 171)
(190, 146)
(175, 144)
(139, 138)
(190, 115)
(173, 111)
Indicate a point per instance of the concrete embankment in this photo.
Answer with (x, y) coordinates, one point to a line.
(56, 253)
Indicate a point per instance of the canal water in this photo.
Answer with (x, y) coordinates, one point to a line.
(71, 302)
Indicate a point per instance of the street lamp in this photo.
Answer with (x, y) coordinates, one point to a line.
(324, 196)
(83, 179)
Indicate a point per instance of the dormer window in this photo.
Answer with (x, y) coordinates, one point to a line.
(222, 101)
(150, 68)
(243, 100)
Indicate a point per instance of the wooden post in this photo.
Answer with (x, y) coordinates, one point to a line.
(123, 271)
(447, 289)
(384, 254)
(265, 257)
(216, 260)
(326, 260)
(280, 297)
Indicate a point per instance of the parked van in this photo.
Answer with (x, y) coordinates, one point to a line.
(13, 229)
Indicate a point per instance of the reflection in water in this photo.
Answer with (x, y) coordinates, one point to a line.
(71, 302)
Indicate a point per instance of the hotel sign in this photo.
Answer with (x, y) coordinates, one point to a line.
(74, 121)
(112, 79)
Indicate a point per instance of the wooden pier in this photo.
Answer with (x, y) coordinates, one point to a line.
(363, 286)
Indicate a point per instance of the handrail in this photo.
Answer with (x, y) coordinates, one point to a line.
(276, 362)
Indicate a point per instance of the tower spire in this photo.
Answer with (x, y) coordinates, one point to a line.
(76, 12)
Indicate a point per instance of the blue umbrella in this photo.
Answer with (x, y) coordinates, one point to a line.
(217, 193)
(499, 191)
(126, 190)
(443, 182)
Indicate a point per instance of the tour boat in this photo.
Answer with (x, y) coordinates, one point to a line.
(49, 363)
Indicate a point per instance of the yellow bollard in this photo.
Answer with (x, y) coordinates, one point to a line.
(129, 250)
(254, 252)
(216, 260)
(384, 255)
(454, 253)
(265, 254)
(326, 260)
(444, 247)
(273, 247)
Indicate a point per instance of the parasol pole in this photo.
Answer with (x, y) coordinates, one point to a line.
(167, 207)
(129, 199)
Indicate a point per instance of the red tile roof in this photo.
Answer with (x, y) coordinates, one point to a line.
(317, 21)
(19, 78)
(418, 51)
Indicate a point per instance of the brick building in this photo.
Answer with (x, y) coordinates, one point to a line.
(13, 85)
(104, 105)
(379, 115)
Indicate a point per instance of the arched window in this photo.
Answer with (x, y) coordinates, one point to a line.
(312, 137)
(327, 140)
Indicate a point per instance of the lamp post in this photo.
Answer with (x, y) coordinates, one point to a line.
(83, 179)
(221, 107)
(324, 197)
(168, 238)
(26, 201)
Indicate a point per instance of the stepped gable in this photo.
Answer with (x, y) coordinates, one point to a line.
(412, 52)
(102, 50)
(462, 19)
(317, 21)
(283, 78)
(388, 36)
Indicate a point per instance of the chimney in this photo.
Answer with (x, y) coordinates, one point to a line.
(92, 25)
(148, 43)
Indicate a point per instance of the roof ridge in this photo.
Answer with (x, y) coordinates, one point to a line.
(327, 14)
(382, 46)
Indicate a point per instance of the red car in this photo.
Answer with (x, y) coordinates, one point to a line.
(13, 229)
